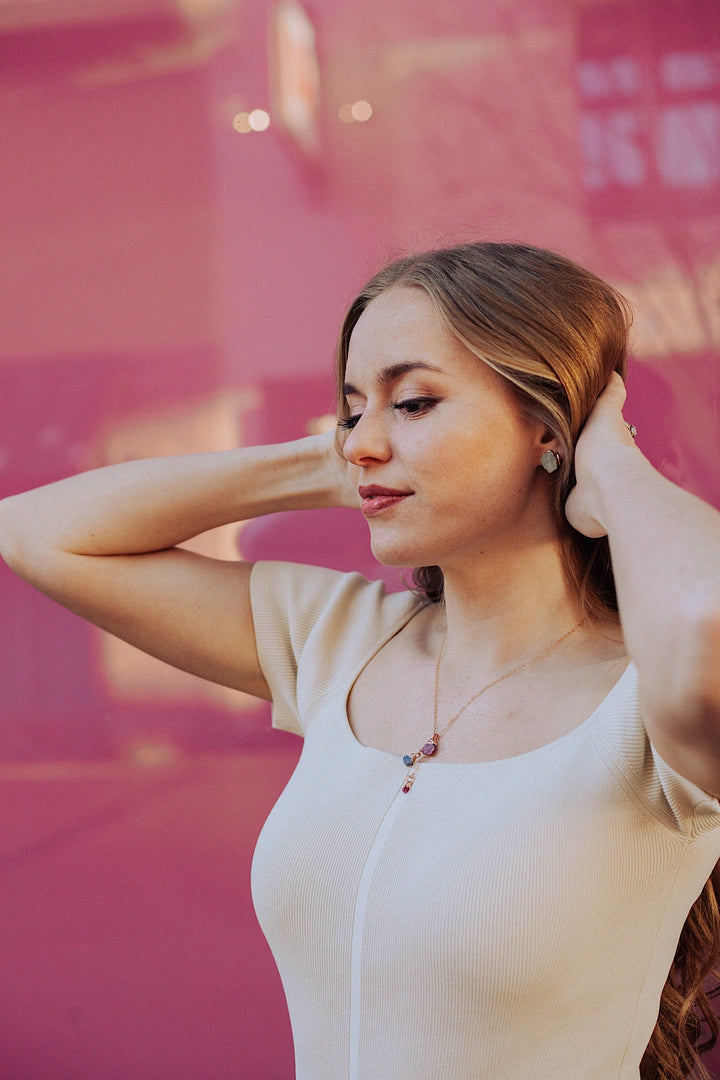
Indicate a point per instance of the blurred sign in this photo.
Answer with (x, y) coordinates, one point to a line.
(649, 83)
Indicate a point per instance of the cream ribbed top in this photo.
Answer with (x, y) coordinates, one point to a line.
(505, 920)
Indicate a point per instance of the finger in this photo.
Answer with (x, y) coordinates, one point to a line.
(615, 389)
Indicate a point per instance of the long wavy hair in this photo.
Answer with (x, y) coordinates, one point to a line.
(556, 332)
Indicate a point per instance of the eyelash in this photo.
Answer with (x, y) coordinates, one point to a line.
(411, 407)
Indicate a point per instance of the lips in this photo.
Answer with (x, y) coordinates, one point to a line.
(371, 491)
(376, 499)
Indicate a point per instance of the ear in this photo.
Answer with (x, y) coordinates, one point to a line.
(547, 448)
(547, 440)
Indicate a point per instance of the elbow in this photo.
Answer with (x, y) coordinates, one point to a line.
(8, 538)
(16, 536)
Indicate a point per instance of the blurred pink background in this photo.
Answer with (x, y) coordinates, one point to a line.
(191, 191)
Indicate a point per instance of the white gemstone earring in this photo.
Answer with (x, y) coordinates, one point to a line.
(550, 461)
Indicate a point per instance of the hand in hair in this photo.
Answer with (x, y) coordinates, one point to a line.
(605, 433)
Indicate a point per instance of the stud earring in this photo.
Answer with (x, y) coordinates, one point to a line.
(550, 461)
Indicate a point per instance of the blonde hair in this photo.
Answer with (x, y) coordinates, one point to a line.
(556, 332)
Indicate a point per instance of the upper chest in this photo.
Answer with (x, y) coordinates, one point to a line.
(391, 704)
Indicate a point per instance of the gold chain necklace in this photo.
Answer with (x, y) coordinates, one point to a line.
(429, 748)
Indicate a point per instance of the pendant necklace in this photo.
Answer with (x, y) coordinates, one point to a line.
(428, 749)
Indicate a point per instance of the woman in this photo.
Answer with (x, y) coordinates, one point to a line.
(506, 806)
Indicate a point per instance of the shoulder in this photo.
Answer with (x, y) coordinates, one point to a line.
(313, 629)
(328, 608)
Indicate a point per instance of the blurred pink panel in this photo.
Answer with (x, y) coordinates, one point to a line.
(172, 280)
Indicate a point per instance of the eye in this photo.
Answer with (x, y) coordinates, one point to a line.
(415, 406)
(411, 407)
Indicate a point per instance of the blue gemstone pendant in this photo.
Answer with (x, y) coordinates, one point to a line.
(410, 759)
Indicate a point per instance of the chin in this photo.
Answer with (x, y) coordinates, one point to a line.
(403, 555)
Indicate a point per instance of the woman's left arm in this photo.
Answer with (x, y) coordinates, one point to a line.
(665, 547)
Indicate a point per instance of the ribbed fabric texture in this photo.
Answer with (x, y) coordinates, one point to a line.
(506, 920)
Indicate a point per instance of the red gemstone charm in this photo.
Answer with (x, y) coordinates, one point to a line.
(409, 781)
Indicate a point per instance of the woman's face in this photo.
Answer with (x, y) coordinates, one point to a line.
(447, 466)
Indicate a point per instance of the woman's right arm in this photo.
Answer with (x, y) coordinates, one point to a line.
(104, 544)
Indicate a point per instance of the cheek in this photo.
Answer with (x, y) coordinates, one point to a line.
(496, 468)
(480, 453)
(497, 486)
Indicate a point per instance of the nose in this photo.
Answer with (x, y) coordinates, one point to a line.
(368, 441)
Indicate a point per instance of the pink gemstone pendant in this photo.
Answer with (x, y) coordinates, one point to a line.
(410, 759)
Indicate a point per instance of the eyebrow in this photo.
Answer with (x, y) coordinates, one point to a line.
(394, 372)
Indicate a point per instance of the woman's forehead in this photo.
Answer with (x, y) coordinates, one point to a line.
(400, 326)
(400, 308)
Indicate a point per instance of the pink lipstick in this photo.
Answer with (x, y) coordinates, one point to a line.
(376, 499)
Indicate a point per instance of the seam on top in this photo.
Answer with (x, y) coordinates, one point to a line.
(653, 952)
(665, 819)
(333, 688)
(360, 905)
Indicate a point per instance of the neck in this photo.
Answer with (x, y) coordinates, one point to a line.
(501, 609)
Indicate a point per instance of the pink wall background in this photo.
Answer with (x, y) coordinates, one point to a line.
(167, 284)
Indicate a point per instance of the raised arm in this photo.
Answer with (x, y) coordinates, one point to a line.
(665, 547)
(104, 544)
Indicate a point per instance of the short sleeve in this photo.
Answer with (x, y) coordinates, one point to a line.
(313, 629)
(619, 733)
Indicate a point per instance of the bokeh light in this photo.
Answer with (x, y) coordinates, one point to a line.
(259, 120)
(361, 111)
(241, 124)
(317, 425)
(247, 122)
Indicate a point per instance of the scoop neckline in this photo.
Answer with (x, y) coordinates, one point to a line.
(399, 625)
